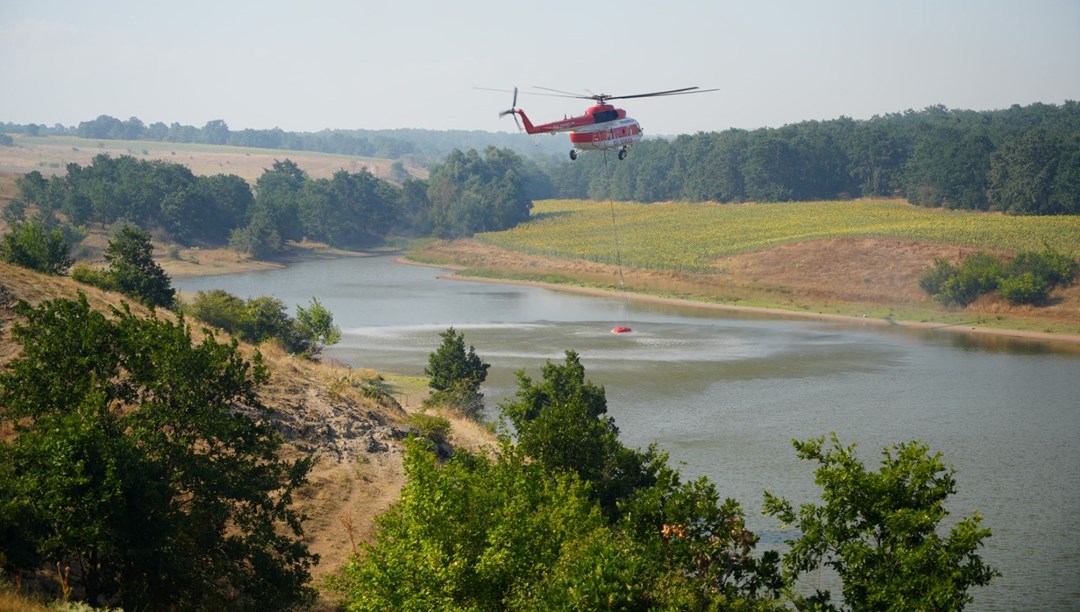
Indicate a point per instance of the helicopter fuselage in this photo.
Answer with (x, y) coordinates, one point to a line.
(601, 127)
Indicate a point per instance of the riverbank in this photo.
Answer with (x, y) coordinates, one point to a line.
(193, 262)
(482, 263)
(892, 303)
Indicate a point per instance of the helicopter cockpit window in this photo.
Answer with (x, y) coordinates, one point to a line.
(606, 115)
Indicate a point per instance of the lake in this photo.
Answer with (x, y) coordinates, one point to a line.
(724, 393)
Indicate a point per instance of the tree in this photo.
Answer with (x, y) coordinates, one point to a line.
(132, 467)
(561, 421)
(132, 267)
(265, 318)
(317, 323)
(456, 375)
(879, 530)
(277, 198)
(469, 193)
(484, 534)
(519, 529)
(29, 245)
(1028, 172)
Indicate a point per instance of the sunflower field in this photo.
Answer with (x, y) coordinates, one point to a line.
(690, 236)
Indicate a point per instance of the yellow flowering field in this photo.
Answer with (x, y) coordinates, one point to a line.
(689, 236)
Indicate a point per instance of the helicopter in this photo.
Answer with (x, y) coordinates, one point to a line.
(602, 126)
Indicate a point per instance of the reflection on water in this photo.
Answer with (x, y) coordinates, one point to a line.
(726, 393)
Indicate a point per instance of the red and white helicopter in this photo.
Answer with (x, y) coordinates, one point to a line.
(601, 127)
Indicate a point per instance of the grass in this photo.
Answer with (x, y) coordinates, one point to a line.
(136, 147)
(689, 237)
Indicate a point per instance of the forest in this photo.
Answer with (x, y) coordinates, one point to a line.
(1020, 160)
(465, 194)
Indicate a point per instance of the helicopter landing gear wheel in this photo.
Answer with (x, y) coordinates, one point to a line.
(622, 153)
(573, 154)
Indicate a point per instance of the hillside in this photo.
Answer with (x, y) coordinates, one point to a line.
(320, 410)
(51, 154)
(873, 279)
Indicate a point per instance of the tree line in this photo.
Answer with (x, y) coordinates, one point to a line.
(416, 143)
(1022, 160)
(467, 193)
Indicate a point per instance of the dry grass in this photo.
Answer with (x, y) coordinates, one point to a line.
(50, 155)
(355, 438)
(860, 277)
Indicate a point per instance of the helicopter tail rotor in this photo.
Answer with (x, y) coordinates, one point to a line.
(513, 110)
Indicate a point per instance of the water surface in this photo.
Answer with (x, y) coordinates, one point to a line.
(725, 393)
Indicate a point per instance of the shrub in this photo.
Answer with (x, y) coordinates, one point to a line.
(1024, 288)
(456, 375)
(978, 274)
(31, 245)
(933, 280)
(265, 318)
(1048, 265)
(218, 308)
(87, 274)
(431, 426)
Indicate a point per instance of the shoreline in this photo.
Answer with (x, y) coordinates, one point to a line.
(189, 266)
(1071, 340)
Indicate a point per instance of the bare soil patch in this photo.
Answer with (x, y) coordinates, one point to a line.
(846, 276)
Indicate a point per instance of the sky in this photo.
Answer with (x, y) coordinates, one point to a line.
(355, 64)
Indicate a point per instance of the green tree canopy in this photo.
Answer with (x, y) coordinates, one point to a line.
(562, 422)
(879, 530)
(456, 375)
(133, 269)
(132, 466)
(30, 245)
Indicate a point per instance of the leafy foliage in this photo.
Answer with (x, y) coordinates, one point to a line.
(470, 194)
(317, 323)
(1026, 279)
(879, 531)
(477, 533)
(561, 421)
(132, 466)
(522, 528)
(431, 426)
(30, 245)
(133, 269)
(263, 318)
(456, 375)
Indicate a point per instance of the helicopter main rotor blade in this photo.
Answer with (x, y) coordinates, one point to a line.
(558, 93)
(670, 92)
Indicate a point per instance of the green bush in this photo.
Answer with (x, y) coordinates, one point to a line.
(431, 426)
(933, 280)
(264, 318)
(1027, 279)
(218, 308)
(1024, 288)
(87, 274)
(978, 274)
(1049, 265)
(32, 245)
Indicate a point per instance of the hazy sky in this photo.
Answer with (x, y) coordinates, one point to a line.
(305, 66)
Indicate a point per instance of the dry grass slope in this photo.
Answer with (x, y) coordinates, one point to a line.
(321, 410)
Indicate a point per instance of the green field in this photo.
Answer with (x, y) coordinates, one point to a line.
(688, 237)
